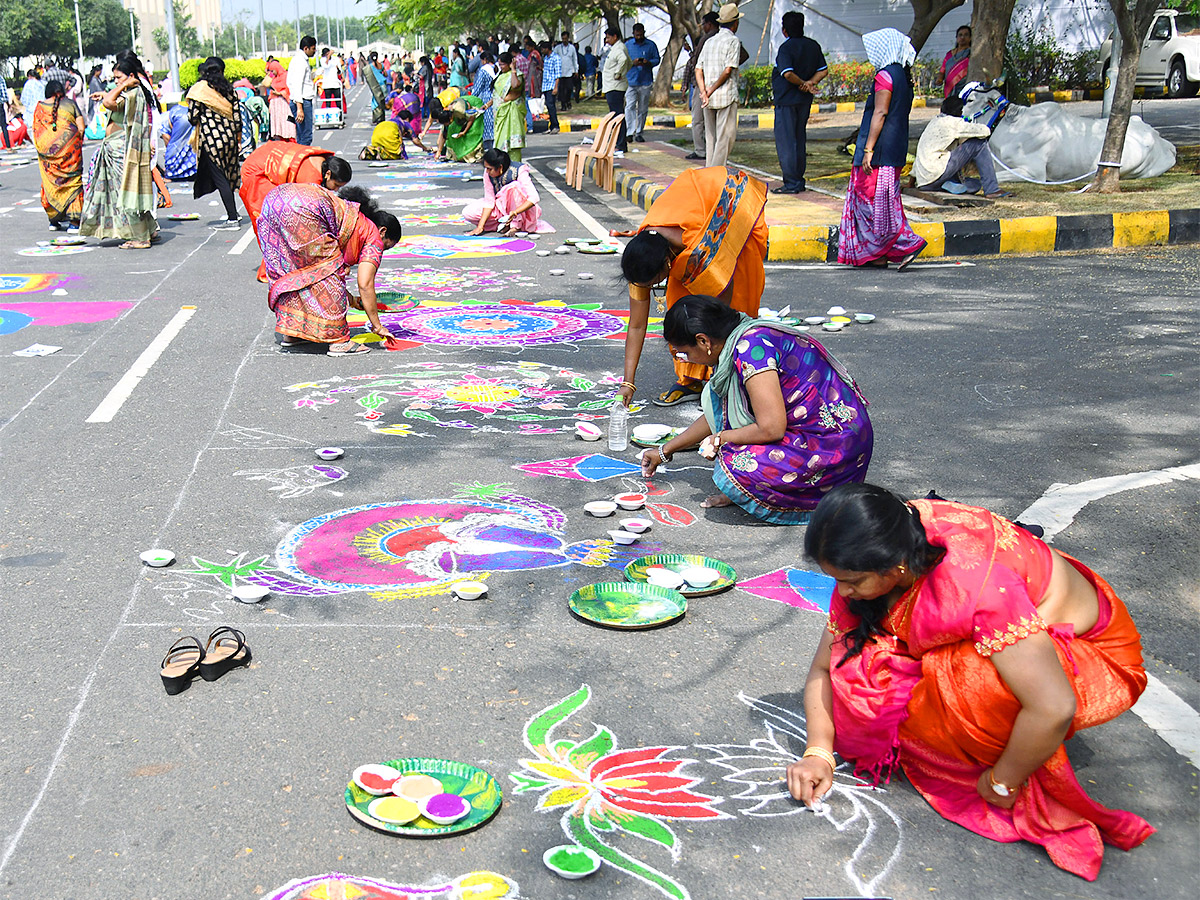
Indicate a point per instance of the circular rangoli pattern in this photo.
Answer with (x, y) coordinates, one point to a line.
(429, 220)
(419, 279)
(477, 326)
(54, 251)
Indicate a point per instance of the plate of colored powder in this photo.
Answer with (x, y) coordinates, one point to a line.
(478, 790)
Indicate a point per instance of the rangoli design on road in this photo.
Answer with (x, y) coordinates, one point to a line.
(800, 588)
(429, 220)
(417, 548)
(505, 326)
(15, 316)
(603, 794)
(54, 251)
(336, 886)
(591, 467)
(423, 186)
(296, 481)
(31, 283)
(464, 246)
(427, 172)
(498, 398)
(438, 202)
(450, 280)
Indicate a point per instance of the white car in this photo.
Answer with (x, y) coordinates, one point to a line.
(1170, 56)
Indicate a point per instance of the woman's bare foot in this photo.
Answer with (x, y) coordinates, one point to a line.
(716, 501)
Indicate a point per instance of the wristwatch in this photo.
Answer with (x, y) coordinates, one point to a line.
(1002, 790)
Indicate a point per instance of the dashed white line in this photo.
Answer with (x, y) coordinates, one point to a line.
(243, 242)
(121, 391)
(1171, 719)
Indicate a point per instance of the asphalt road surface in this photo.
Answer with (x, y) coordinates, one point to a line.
(989, 382)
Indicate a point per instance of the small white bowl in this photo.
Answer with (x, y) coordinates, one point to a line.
(600, 508)
(700, 577)
(330, 452)
(765, 312)
(630, 501)
(542, 252)
(589, 867)
(664, 578)
(377, 771)
(863, 318)
(250, 593)
(158, 558)
(522, 234)
(562, 251)
(587, 431)
(785, 312)
(586, 276)
(637, 526)
(440, 808)
(558, 271)
(651, 433)
(813, 320)
(832, 326)
(621, 536)
(836, 311)
(468, 590)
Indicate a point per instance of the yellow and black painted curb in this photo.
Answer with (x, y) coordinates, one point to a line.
(983, 237)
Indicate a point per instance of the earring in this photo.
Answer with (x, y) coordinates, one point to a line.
(903, 569)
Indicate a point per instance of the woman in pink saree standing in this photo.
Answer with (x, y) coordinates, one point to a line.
(510, 201)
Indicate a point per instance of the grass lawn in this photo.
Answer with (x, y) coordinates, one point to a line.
(829, 169)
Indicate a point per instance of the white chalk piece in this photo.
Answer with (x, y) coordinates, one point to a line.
(819, 807)
(835, 311)
(58, 292)
(37, 350)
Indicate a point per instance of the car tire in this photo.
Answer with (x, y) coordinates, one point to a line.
(1177, 81)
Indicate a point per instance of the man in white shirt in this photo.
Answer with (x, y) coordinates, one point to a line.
(565, 51)
(302, 89)
(613, 81)
(331, 77)
(947, 144)
(717, 86)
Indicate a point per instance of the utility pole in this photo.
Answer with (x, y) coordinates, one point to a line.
(172, 45)
(297, 22)
(79, 33)
(262, 31)
(132, 32)
(328, 34)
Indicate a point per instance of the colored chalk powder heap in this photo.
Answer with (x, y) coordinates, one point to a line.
(376, 779)
(444, 809)
(571, 861)
(417, 787)
(396, 810)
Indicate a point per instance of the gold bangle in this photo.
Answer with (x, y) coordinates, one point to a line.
(821, 753)
(629, 384)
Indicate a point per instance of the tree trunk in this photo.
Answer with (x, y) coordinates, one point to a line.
(611, 13)
(685, 23)
(989, 31)
(926, 15)
(1134, 22)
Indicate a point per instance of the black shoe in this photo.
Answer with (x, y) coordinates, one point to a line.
(787, 190)
(693, 156)
(639, 139)
(226, 649)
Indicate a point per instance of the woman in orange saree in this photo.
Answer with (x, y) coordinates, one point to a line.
(965, 650)
(705, 234)
(58, 130)
(279, 162)
(310, 238)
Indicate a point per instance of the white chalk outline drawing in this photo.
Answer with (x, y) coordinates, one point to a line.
(759, 769)
(242, 436)
(297, 481)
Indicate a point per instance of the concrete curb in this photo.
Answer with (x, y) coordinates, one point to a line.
(983, 237)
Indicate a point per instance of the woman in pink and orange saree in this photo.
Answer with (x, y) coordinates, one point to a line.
(964, 650)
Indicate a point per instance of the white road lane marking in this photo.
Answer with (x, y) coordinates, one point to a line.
(122, 390)
(243, 242)
(1058, 506)
(1171, 719)
(596, 229)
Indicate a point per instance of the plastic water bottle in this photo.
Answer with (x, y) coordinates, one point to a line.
(618, 426)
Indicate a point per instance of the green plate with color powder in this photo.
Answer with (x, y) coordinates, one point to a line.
(474, 785)
(628, 605)
(677, 562)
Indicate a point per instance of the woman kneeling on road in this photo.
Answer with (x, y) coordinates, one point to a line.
(310, 238)
(510, 201)
(966, 650)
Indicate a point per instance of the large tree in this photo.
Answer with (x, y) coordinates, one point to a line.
(990, 20)
(1133, 20)
(926, 15)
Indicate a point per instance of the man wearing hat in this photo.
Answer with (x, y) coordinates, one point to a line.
(708, 27)
(717, 86)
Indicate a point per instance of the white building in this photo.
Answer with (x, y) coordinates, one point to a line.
(152, 14)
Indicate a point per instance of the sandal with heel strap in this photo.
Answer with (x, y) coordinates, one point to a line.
(181, 664)
(226, 649)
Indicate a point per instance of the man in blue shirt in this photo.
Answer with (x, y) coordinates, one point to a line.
(591, 65)
(551, 75)
(799, 68)
(644, 56)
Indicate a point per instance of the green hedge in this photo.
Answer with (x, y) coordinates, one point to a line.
(846, 81)
(254, 70)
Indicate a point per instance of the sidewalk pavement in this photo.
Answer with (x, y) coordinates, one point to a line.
(805, 226)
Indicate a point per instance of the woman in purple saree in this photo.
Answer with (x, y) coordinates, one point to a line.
(783, 420)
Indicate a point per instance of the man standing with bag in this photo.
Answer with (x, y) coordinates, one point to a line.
(643, 56)
(799, 68)
(717, 86)
(614, 83)
(302, 90)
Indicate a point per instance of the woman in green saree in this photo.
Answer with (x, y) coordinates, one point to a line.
(461, 118)
(120, 192)
(508, 95)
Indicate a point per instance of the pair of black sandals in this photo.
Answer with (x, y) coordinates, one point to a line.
(226, 649)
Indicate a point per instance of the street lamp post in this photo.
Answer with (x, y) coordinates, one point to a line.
(262, 31)
(172, 44)
(79, 32)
